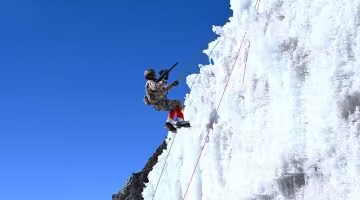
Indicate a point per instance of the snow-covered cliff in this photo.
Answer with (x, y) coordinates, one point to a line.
(282, 118)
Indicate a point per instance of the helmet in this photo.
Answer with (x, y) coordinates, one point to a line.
(149, 73)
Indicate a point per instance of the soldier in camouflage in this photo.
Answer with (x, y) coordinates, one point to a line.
(156, 95)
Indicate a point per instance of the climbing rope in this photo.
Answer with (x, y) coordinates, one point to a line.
(181, 75)
(217, 109)
(245, 62)
(163, 168)
(257, 5)
(209, 57)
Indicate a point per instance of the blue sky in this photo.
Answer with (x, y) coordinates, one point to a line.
(72, 121)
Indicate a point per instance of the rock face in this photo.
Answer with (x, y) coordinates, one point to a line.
(135, 184)
(289, 183)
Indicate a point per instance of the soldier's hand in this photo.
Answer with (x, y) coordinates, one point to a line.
(175, 83)
(166, 77)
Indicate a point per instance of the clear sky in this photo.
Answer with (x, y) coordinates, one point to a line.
(73, 124)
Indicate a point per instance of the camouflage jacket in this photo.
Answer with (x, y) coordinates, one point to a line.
(156, 91)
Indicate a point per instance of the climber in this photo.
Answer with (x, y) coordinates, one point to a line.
(156, 91)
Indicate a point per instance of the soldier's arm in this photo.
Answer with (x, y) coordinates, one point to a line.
(168, 87)
(157, 86)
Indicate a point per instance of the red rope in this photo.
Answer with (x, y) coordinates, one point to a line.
(203, 146)
(207, 136)
(163, 168)
(217, 109)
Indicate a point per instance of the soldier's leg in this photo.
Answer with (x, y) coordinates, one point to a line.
(171, 116)
(179, 114)
(175, 107)
(172, 105)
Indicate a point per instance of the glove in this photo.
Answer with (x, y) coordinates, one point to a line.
(175, 83)
(166, 77)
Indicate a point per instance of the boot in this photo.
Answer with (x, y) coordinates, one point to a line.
(181, 123)
(170, 127)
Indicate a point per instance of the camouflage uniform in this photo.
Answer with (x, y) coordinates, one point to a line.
(156, 93)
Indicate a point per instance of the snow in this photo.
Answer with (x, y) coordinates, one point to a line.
(295, 117)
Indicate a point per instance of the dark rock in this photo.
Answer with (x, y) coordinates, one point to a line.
(134, 186)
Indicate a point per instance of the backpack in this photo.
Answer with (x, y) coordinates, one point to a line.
(147, 101)
(150, 97)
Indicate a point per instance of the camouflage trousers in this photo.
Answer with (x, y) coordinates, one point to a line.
(168, 105)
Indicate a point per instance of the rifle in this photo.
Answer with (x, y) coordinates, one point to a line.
(164, 74)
